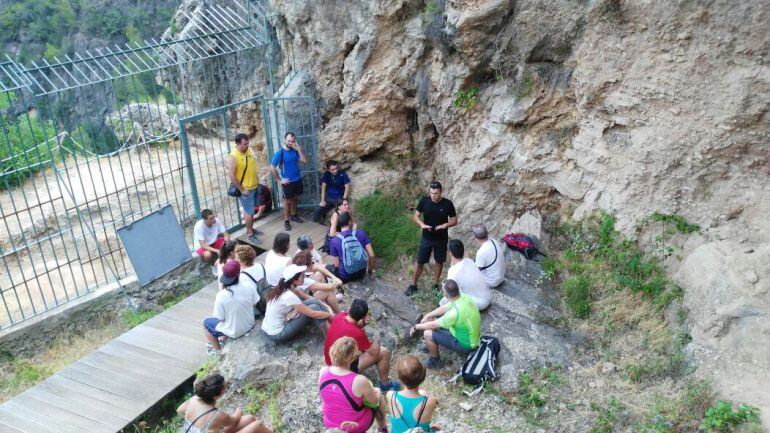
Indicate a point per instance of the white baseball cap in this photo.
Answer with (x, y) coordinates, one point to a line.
(292, 270)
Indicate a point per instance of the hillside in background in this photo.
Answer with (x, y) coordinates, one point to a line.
(31, 29)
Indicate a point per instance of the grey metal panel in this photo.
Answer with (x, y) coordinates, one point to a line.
(155, 244)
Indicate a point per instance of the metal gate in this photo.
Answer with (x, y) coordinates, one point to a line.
(91, 142)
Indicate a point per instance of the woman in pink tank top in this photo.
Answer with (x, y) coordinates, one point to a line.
(350, 402)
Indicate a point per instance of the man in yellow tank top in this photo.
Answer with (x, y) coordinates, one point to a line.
(242, 171)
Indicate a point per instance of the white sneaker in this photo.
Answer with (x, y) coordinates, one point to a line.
(214, 270)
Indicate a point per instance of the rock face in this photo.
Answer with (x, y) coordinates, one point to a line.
(730, 317)
(627, 107)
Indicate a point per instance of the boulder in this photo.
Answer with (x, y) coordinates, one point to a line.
(726, 293)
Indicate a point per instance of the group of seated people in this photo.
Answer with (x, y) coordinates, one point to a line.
(293, 291)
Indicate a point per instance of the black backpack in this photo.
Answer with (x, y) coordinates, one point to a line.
(479, 366)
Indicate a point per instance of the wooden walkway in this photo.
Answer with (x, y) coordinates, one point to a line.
(109, 388)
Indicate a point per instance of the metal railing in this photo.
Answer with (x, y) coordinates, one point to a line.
(90, 142)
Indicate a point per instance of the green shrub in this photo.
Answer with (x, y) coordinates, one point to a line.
(467, 99)
(606, 417)
(22, 151)
(134, 318)
(389, 225)
(723, 417)
(524, 88)
(577, 295)
(679, 221)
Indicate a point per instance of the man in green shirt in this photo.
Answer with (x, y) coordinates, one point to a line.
(455, 325)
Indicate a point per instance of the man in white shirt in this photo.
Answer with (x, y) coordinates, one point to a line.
(467, 276)
(206, 234)
(233, 313)
(304, 243)
(489, 258)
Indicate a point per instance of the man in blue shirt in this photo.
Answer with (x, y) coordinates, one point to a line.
(288, 158)
(338, 257)
(335, 185)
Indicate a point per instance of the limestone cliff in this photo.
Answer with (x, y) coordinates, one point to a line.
(629, 107)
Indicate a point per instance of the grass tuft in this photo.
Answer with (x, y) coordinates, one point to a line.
(389, 225)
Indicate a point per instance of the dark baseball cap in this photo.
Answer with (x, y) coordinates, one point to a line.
(230, 272)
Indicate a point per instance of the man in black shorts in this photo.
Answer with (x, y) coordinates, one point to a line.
(438, 214)
(287, 159)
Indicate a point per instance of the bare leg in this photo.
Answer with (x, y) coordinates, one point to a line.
(366, 360)
(294, 203)
(210, 257)
(330, 298)
(212, 339)
(286, 208)
(439, 267)
(379, 413)
(248, 221)
(432, 346)
(417, 273)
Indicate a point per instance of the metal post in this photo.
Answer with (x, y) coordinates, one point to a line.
(190, 169)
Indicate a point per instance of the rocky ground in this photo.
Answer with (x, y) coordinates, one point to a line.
(522, 316)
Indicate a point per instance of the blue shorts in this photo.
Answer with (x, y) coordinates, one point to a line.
(210, 323)
(249, 202)
(443, 337)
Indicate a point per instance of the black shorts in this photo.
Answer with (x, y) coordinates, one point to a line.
(292, 189)
(444, 338)
(438, 248)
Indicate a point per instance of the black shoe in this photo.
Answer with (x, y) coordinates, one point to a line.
(296, 219)
(410, 290)
(436, 288)
(287, 225)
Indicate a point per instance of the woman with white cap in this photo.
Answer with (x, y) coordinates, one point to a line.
(289, 310)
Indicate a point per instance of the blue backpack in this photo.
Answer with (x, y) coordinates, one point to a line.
(354, 257)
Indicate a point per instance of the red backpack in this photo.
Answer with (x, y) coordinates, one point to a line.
(521, 243)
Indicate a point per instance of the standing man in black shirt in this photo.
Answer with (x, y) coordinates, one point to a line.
(438, 214)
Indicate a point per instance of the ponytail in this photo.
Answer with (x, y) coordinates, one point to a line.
(283, 285)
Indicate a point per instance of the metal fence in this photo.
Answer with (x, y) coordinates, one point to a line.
(91, 142)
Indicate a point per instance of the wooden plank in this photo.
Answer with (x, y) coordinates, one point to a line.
(76, 420)
(165, 342)
(144, 355)
(147, 378)
(129, 395)
(177, 330)
(5, 428)
(146, 373)
(76, 404)
(42, 421)
(111, 398)
(143, 358)
(183, 356)
(55, 389)
(9, 417)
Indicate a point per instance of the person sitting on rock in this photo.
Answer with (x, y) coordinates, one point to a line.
(489, 258)
(233, 313)
(467, 276)
(315, 283)
(210, 235)
(264, 202)
(351, 324)
(289, 310)
(254, 273)
(411, 408)
(343, 207)
(335, 185)
(201, 415)
(276, 259)
(305, 243)
(455, 325)
(226, 254)
(351, 252)
(349, 401)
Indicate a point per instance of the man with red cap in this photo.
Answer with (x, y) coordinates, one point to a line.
(233, 313)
